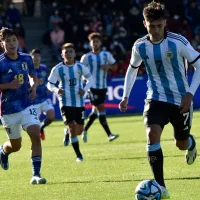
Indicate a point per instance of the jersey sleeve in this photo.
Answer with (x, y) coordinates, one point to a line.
(188, 52)
(53, 77)
(85, 71)
(136, 59)
(111, 59)
(84, 60)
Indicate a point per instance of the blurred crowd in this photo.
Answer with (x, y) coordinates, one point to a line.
(119, 22)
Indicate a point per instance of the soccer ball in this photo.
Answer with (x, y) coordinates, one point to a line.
(148, 190)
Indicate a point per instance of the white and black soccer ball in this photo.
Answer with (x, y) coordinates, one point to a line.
(148, 190)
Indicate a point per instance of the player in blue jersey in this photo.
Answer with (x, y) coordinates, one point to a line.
(169, 97)
(99, 62)
(42, 101)
(70, 93)
(16, 69)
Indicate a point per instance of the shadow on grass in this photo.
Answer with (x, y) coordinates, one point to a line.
(119, 181)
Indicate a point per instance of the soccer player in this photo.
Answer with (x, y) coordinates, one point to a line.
(16, 110)
(42, 102)
(169, 97)
(99, 62)
(70, 92)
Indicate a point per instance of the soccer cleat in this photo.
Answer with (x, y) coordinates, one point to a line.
(4, 160)
(164, 193)
(37, 180)
(79, 159)
(84, 136)
(66, 137)
(42, 135)
(190, 155)
(112, 137)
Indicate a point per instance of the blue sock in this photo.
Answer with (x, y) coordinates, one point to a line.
(36, 165)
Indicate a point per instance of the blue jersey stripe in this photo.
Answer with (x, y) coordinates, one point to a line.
(162, 73)
(176, 68)
(98, 70)
(80, 83)
(104, 72)
(90, 61)
(72, 87)
(62, 77)
(142, 50)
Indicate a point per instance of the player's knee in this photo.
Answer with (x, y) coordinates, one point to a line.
(93, 116)
(153, 135)
(16, 147)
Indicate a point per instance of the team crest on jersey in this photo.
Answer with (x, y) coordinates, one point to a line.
(24, 66)
(44, 73)
(79, 72)
(169, 54)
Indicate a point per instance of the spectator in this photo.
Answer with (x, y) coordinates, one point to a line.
(57, 36)
(13, 14)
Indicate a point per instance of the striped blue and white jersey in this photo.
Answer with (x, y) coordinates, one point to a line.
(166, 66)
(94, 62)
(16, 100)
(70, 79)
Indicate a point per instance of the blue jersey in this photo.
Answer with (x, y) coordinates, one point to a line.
(42, 91)
(15, 100)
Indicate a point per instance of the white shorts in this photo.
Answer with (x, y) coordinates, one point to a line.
(14, 122)
(44, 106)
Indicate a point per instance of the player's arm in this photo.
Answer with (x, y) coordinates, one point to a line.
(111, 63)
(193, 58)
(130, 78)
(88, 80)
(52, 80)
(34, 80)
(14, 84)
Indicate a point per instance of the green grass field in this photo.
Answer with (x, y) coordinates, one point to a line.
(110, 171)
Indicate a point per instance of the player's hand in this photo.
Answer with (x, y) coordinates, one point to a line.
(60, 92)
(14, 84)
(32, 94)
(186, 102)
(81, 92)
(123, 105)
(105, 67)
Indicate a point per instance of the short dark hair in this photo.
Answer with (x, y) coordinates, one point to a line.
(6, 32)
(33, 51)
(154, 11)
(94, 35)
(68, 45)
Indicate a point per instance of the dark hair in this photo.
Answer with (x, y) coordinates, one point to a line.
(5, 32)
(68, 45)
(94, 35)
(37, 51)
(154, 11)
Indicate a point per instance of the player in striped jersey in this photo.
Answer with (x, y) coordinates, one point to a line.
(16, 69)
(99, 62)
(42, 102)
(70, 92)
(169, 97)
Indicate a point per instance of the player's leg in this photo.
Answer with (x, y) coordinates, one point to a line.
(93, 96)
(103, 121)
(69, 115)
(91, 118)
(155, 118)
(13, 130)
(31, 125)
(48, 109)
(184, 140)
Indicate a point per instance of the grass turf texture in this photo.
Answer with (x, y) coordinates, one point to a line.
(110, 171)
